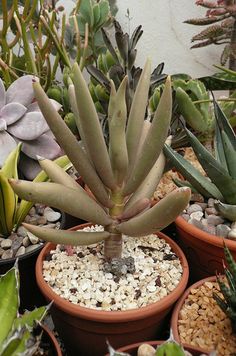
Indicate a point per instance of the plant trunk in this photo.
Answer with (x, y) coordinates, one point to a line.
(113, 245)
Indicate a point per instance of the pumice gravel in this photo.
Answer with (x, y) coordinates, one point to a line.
(81, 278)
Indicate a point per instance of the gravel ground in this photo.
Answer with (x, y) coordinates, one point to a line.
(202, 323)
(81, 279)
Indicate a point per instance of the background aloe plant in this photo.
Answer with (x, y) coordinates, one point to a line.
(220, 167)
(16, 337)
(122, 178)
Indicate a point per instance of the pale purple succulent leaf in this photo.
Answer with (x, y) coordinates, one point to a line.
(21, 90)
(2, 94)
(29, 127)
(44, 146)
(12, 112)
(29, 167)
(3, 125)
(34, 106)
(49, 133)
(7, 144)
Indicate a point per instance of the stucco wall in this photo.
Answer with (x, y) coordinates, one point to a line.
(166, 38)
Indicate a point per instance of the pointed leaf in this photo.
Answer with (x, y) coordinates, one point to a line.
(12, 112)
(29, 127)
(230, 154)
(65, 237)
(29, 318)
(17, 95)
(224, 124)
(219, 148)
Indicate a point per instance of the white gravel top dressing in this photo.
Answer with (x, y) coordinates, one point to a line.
(81, 279)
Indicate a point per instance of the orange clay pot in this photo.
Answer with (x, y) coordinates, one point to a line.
(49, 337)
(85, 331)
(132, 349)
(178, 307)
(204, 251)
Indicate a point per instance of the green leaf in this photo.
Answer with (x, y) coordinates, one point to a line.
(29, 318)
(86, 11)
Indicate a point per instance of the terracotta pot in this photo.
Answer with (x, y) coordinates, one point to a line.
(49, 338)
(178, 307)
(85, 331)
(132, 349)
(204, 251)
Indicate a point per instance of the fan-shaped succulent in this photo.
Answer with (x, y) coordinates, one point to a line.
(121, 178)
(220, 167)
(21, 120)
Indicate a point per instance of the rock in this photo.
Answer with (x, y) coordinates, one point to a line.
(196, 223)
(51, 215)
(27, 219)
(33, 220)
(21, 231)
(202, 205)
(6, 243)
(197, 215)
(193, 208)
(185, 217)
(211, 211)
(21, 251)
(33, 239)
(214, 220)
(39, 209)
(32, 248)
(26, 241)
(1, 251)
(233, 225)
(1, 239)
(41, 220)
(211, 229)
(7, 254)
(32, 211)
(211, 203)
(146, 350)
(16, 243)
(222, 230)
(196, 197)
(232, 235)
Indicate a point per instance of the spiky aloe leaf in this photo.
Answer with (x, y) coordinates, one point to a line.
(226, 210)
(218, 175)
(159, 216)
(154, 142)
(170, 348)
(197, 180)
(231, 263)
(74, 202)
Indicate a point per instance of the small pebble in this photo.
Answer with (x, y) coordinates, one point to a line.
(6, 244)
(21, 251)
(222, 230)
(26, 241)
(193, 208)
(51, 215)
(21, 231)
(32, 248)
(7, 254)
(214, 220)
(33, 239)
(232, 235)
(197, 215)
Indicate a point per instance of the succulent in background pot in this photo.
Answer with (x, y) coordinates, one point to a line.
(121, 178)
(12, 235)
(204, 249)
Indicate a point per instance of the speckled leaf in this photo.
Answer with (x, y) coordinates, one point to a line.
(12, 112)
(16, 94)
(43, 146)
(7, 144)
(30, 127)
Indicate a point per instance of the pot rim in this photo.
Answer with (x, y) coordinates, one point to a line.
(178, 307)
(113, 316)
(199, 234)
(53, 339)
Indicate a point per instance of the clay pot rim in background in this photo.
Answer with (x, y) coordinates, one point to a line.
(179, 305)
(199, 234)
(133, 347)
(112, 316)
(53, 339)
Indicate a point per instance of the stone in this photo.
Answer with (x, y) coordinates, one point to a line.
(7, 254)
(51, 215)
(26, 241)
(193, 208)
(31, 248)
(233, 225)
(16, 243)
(1, 251)
(32, 211)
(198, 198)
(41, 220)
(196, 223)
(232, 235)
(33, 239)
(197, 215)
(222, 230)
(185, 217)
(211, 211)
(214, 220)
(33, 220)
(21, 251)
(211, 229)
(21, 231)
(6, 243)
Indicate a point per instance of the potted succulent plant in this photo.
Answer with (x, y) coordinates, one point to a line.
(14, 240)
(122, 180)
(204, 317)
(203, 234)
(17, 334)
